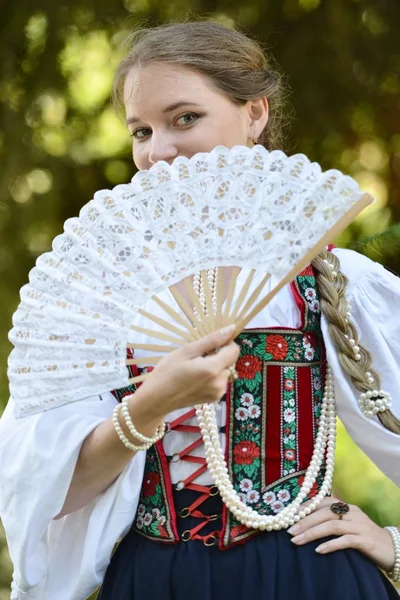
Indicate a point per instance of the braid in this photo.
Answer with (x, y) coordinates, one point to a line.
(355, 360)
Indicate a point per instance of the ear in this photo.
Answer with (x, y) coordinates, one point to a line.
(258, 116)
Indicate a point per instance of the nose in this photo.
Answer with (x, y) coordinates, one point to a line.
(162, 148)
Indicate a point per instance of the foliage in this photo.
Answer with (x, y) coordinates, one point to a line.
(60, 140)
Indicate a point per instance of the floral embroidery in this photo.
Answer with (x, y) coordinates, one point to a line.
(289, 438)
(247, 399)
(152, 518)
(241, 413)
(301, 349)
(254, 411)
(248, 366)
(246, 453)
(150, 483)
(306, 285)
(296, 347)
(246, 485)
(277, 346)
(252, 496)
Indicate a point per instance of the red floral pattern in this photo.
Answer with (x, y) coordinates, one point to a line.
(277, 346)
(245, 452)
(150, 482)
(307, 272)
(248, 366)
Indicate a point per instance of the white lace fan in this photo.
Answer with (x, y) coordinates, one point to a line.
(249, 209)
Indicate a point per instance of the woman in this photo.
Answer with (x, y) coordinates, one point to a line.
(71, 489)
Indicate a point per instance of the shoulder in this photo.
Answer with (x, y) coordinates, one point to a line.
(360, 269)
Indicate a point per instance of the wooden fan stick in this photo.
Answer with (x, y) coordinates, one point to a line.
(198, 329)
(138, 378)
(253, 297)
(166, 325)
(220, 297)
(159, 335)
(333, 232)
(144, 360)
(242, 295)
(175, 315)
(151, 348)
(208, 298)
(229, 298)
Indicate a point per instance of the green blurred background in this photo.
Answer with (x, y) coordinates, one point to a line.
(60, 139)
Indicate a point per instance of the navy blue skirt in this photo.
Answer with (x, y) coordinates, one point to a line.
(267, 567)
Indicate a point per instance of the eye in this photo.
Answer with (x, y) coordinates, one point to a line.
(135, 133)
(189, 118)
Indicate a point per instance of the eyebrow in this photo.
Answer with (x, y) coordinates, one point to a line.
(166, 110)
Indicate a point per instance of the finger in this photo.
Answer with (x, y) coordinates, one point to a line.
(325, 529)
(225, 358)
(340, 543)
(320, 515)
(210, 342)
(315, 518)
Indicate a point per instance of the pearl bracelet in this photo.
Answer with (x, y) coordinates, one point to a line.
(122, 436)
(135, 433)
(395, 533)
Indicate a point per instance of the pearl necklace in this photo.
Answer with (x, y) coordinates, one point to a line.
(325, 441)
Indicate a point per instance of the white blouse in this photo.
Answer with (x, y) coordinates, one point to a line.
(66, 559)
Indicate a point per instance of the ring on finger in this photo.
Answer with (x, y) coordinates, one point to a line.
(340, 509)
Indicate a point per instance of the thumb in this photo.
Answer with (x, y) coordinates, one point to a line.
(210, 342)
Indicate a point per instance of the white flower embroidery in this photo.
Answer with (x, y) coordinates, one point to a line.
(254, 411)
(139, 523)
(248, 343)
(289, 415)
(156, 513)
(314, 306)
(309, 353)
(283, 495)
(243, 497)
(310, 294)
(241, 413)
(277, 506)
(252, 497)
(246, 485)
(269, 497)
(317, 383)
(162, 520)
(292, 402)
(306, 343)
(247, 399)
(147, 519)
(141, 510)
(288, 438)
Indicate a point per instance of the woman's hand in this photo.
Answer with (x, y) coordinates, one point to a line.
(354, 530)
(193, 374)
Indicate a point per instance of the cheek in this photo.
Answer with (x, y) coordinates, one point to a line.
(139, 157)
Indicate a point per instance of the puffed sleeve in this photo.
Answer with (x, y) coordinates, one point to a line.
(65, 558)
(374, 296)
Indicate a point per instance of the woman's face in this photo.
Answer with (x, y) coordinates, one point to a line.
(172, 111)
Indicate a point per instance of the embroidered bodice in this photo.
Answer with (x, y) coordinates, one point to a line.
(268, 421)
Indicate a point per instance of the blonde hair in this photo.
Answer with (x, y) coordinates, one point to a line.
(355, 360)
(239, 67)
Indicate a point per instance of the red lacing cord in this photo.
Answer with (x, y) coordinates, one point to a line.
(189, 482)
